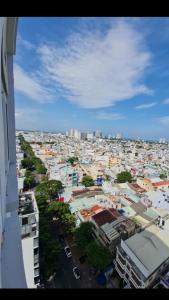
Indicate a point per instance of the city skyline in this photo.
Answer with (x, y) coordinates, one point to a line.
(90, 73)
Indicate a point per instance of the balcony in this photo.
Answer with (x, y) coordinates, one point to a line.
(36, 258)
(36, 243)
(119, 270)
(36, 272)
(121, 260)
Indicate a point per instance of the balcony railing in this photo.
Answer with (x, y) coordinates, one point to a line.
(36, 273)
(36, 258)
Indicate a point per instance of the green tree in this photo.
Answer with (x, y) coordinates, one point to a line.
(28, 164)
(163, 176)
(42, 202)
(49, 247)
(61, 210)
(42, 190)
(49, 188)
(54, 186)
(72, 160)
(87, 181)
(124, 177)
(29, 182)
(41, 169)
(58, 208)
(83, 235)
(69, 222)
(98, 256)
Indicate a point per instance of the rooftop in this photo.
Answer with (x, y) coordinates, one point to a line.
(105, 216)
(150, 247)
(25, 204)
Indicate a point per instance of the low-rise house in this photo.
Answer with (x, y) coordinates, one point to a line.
(141, 259)
(109, 227)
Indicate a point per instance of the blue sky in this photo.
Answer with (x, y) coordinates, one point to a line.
(93, 73)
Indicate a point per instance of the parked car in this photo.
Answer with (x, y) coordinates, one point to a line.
(67, 251)
(76, 272)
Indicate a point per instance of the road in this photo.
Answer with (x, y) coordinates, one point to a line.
(64, 277)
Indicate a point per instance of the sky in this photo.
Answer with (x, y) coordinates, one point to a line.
(93, 73)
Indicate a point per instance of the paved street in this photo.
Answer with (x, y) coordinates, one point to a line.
(64, 277)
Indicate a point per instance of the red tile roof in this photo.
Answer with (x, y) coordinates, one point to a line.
(104, 217)
(161, 183)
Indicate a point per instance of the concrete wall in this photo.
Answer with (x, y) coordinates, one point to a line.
(11, 262)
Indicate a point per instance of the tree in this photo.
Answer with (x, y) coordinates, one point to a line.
(42, 190)
(54, 186)
(87, 181)
(163, 176)
(98, 256)
(83, 235)
(49, 247)
(69, 222)
(29, 182)
(42, 202)
(49, 188)
(62, 211)
(124, 177)
(72, 160)
(58, 209)
(41, 169)
(28, 164)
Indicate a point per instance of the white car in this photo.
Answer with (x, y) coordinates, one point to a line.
(67, 251)
(76, 273)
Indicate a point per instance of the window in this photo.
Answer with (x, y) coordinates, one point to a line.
(36, 280)
(36, 251)
(25, 235)
(4, 64)
(24, 221)
(36, 242)
(33, 228)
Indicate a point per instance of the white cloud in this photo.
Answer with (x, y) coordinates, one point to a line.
(28, 118)
(95, 70)
(24, 43)
(30, 85)
(148, 105)
(164, 120)
(110, 116)
(24, 112)
(166, 101)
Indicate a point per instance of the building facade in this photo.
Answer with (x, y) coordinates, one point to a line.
(12, 273)
(143, 258)
(29, 220)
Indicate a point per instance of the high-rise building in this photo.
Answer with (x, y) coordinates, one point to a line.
(29, 220)
(89, 136)
(118, 136)
(98, 134)
(83, 135)
(12, 273)
(71, 132)
(162, 140)
(77, 134)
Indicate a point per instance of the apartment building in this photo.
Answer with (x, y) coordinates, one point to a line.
(12, 273)
(29, 221)
(144, 257)
(110, 227)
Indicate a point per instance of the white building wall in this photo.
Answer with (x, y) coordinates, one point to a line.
(11, 261)
(137, 262)
(28, 257)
